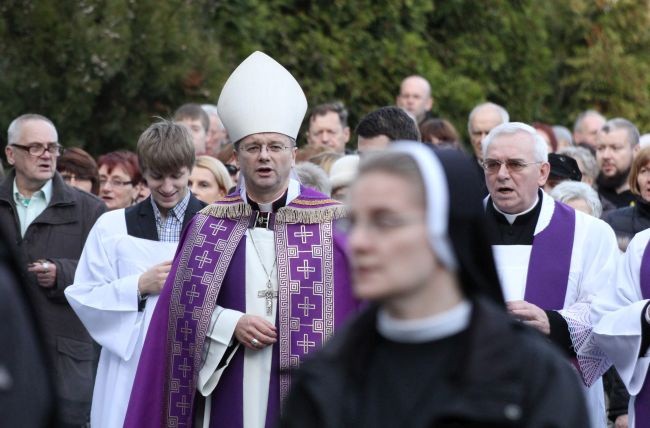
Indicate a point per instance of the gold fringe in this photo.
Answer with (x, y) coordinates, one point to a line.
(284, 214)
(232, 211)
(311, 216)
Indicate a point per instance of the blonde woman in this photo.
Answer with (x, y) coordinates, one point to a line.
(210, 180)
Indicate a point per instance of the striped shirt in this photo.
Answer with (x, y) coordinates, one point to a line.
(169, 229)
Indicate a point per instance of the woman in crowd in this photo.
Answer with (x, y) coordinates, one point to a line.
(629, 221)
(579, 196)
(440, 133)
(119, 179)
(79, 169)
(209, 180)
(435, 346)
(546, 131)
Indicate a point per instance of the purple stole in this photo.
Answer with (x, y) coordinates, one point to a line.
(642, 400)
(209, 269)
(550, 260)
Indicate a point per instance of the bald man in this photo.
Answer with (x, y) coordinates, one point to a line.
(415, 97)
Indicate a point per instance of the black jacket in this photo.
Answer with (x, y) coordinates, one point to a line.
(58, 234)
(629, 221)
(507, 376)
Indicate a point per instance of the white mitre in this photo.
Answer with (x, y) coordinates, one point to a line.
(261, 96)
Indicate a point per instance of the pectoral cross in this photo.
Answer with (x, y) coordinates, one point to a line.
(269, 295)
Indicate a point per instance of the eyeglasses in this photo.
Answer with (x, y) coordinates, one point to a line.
(256, 149)
(115, 182)
(512, 165)
(68, 178)
(37, 150)
(232, 169)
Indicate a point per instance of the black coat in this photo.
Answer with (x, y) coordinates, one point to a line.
(509, 376)
(58, 234)
(629, 221)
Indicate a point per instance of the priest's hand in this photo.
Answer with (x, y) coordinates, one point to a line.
(152, 281)
(530, 314)
(45, 272)
(255, 332)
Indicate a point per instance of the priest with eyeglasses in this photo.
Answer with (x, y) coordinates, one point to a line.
(552, 260)
(259, 279)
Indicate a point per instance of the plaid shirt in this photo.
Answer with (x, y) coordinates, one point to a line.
(170, 230)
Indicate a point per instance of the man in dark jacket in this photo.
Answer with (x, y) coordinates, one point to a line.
(48, 222)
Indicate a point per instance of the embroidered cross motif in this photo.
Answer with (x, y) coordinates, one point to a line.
(303, 234)
(184, 367)
(306, 306)
(269, 294)
(305, 343)
(203, 259)
(217, 227)
(186, 330)
(305, 269)
(192, 294)
(183, 405)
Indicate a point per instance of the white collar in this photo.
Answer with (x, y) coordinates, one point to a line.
(427, 329)
(512, 217)
(293, 193)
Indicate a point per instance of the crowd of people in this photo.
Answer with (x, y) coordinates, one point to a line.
(194, 281)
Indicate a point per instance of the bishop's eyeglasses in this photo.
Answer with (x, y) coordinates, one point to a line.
(512, 165)
(256, 149)
(36, 150)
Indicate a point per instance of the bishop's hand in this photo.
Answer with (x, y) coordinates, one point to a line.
(530, 314)
(255, 332)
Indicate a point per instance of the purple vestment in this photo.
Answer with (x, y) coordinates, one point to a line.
(550, 260)
(642, 400)
(314, 297)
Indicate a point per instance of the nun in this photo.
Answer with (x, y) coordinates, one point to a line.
(435, 345)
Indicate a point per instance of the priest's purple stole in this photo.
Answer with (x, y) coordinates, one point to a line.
(642, 400)
(550, 260)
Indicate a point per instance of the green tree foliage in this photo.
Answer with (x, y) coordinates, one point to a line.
(102, 68)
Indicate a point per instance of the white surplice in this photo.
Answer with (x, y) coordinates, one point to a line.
(593, 264)
(104, 296)
(618, 312)
(257, 363)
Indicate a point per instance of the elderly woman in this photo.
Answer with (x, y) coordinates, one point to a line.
(579, 196)
(210, 180)
(435, 346)
(79, 169)
(586, 162)
(119, 179)
(629, 221)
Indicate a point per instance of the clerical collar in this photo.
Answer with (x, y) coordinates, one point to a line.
(427, 329)
(512, 217)
(269, 207)
(263, 213)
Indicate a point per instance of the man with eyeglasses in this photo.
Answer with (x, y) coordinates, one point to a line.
(49, 222)
(259, 281)
(552, 260)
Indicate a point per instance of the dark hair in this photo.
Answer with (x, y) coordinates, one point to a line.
(194, 112)
(78, 162)
(335, 107)
(548, 130)
(441, 130)
(165, 148)
(393, 122)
